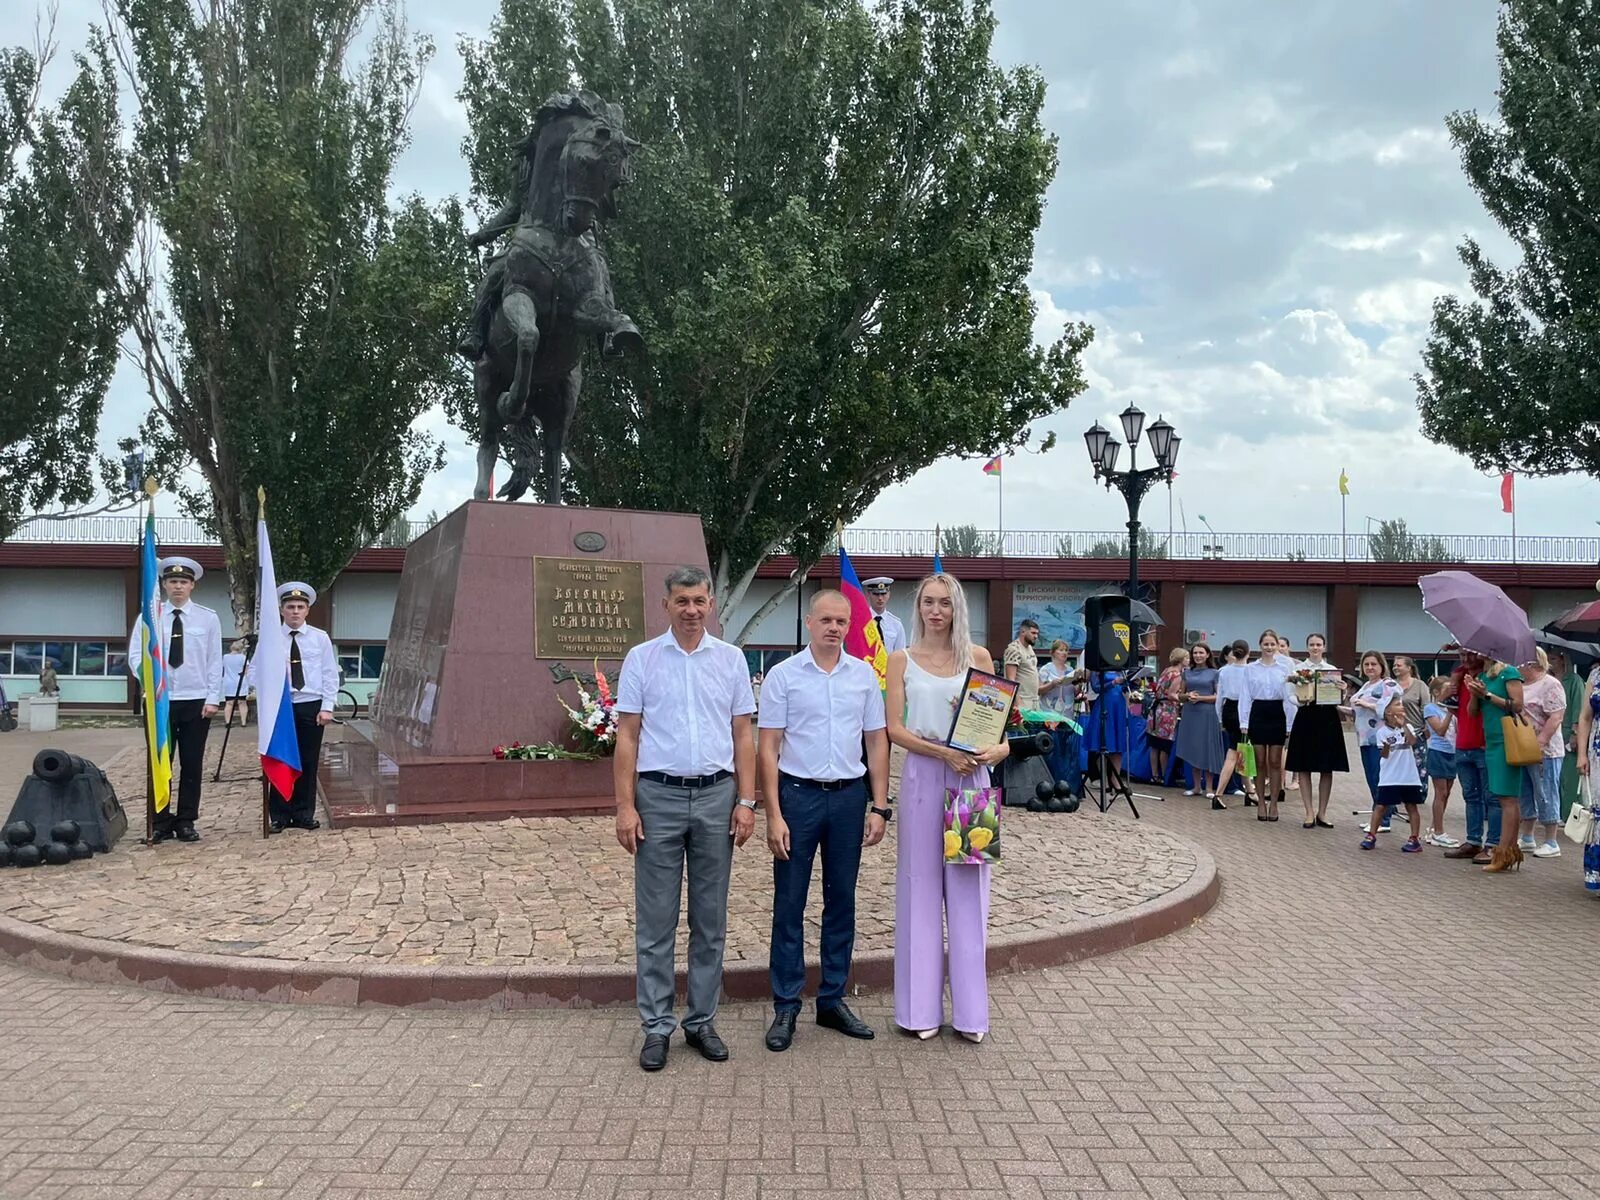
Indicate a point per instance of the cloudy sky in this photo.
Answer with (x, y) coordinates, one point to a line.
(1255, 207)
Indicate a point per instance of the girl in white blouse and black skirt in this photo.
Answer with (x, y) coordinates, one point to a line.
(1264, 720)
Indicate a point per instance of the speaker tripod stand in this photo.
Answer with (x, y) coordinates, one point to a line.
(1105, 798)
(235, 702)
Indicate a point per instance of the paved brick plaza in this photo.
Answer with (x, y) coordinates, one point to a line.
(541, 892)
(1288, 1044)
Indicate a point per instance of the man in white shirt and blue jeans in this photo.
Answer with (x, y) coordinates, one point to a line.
(684, 775)
(817, 709)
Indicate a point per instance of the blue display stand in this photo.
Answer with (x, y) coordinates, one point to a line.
(1136, 762)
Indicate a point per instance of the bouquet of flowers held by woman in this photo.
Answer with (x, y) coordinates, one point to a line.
(1304, 683)
(594, 721)
(972, 825)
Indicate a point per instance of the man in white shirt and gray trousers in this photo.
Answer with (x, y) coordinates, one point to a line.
(684, 774)
(817, 709)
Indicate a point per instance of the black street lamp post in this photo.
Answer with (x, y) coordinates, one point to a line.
(1135, 481)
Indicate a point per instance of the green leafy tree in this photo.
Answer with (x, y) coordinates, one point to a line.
(827, 248)
(968, 541)
(1392, 541)
(66, 222)
(1510, 377)
(303, 321)
(1151, 545)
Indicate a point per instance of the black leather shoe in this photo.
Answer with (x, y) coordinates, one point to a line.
(166, 835)
(846, 1022)
(188, 833)
(654, 1054)
(706, 1041)
(311, 824)
(780, 1034)
(277, 826)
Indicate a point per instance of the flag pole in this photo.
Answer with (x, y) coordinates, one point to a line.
(149, 750)
(266, 788)
(1000, 479)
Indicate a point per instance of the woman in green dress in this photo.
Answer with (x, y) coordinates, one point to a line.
(1497, 693)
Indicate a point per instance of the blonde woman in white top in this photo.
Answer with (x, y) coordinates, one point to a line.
(924, 685)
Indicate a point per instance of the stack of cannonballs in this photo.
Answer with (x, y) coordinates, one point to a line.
(22, 848)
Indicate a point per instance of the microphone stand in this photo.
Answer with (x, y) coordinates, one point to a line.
(250, 640)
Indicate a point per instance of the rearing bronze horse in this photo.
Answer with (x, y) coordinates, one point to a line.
(548, 292)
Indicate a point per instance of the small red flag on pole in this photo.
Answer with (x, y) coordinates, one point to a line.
(1508, 493)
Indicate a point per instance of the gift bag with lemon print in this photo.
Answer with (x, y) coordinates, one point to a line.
(972, 825)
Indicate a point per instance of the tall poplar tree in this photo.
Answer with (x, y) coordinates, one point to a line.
(65, 225)
(827, 248)
(1512, 378)
(293, 323)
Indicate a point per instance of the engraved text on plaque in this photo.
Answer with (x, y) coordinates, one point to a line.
(587, 608)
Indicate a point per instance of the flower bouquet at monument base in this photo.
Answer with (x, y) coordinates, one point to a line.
(594, 721)
(972, 825)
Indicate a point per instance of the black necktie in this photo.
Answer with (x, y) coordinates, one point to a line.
(297, 671)
(175, 646)
(879, 621)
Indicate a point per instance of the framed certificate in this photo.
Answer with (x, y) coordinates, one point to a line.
(983, 707)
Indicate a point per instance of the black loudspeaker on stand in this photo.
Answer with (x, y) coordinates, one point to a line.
(1109, 622)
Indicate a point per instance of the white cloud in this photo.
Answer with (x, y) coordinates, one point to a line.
(1187, 64)
(1401, 302)
(1414, 144)
(1235, 181)
(1363, 242)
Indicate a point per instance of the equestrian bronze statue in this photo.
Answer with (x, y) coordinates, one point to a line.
(548, 292)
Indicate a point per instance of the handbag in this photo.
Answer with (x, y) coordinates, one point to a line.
(1522, 744)
(1580, 821)
(1247, 758)
(972, 825)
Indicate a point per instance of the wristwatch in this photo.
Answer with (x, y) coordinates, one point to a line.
(886, 813)
(750, 804)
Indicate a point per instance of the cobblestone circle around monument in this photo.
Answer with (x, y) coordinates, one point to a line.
(541, 892)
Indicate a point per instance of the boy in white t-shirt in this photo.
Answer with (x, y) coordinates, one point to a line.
(1398, 779)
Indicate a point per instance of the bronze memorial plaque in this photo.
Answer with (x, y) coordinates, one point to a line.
(587, 608)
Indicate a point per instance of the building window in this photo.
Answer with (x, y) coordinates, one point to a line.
(91, 658)
(764, 660)
(27, 657)
(361, 662)
(86, 659)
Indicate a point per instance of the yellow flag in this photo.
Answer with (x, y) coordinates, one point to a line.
(1344, 483)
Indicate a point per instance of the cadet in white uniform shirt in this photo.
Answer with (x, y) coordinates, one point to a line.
(889, 625)
(819, 706)
(684, 756)
(314, 689)
(191, 645)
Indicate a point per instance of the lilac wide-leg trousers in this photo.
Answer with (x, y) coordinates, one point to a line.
(930, 897)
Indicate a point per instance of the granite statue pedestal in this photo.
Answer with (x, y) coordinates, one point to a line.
(500, 607)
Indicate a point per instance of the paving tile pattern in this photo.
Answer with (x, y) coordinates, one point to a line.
(552, 892)
(1343, 1024)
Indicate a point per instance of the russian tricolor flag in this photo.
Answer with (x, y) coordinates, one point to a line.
(280, 751)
